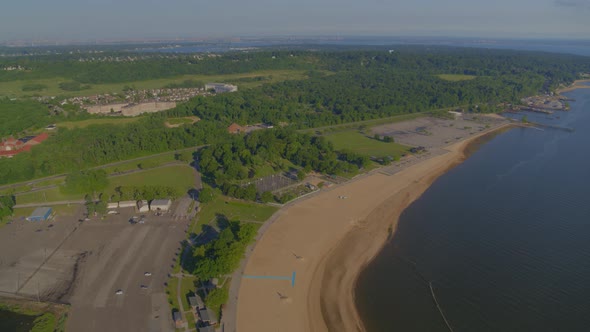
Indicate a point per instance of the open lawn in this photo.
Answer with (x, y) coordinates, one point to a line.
(147, 163)
(232, 210)
(101, 121)
(14, 88)
(187, 286)
(181, 177)
(353, 140)
(180, 121)
(47, 195)
(455, 77)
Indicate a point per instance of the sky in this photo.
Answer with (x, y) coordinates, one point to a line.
(169, 19)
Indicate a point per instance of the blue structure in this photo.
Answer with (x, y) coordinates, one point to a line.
(40, 214)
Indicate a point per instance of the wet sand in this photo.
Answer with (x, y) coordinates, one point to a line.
(327, 241)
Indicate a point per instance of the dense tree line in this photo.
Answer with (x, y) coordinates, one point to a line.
(98, 72)
(225, 164)
(146, 192)
(80, 148)
(222, 255)
(6, 205)
(344, 86)
(17, 116)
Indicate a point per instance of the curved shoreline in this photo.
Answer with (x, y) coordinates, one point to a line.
(360, 247)
(328, 241)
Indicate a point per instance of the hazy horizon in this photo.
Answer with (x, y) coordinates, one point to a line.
(65, 20)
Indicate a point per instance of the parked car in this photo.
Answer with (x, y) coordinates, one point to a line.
(119, 292)
(148, 274)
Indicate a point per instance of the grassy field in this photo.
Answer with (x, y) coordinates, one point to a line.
(144, 163)
(181, 177)
(171, 291)
(47, 195)
(179, 121)
(187, 285)
(232, 210)
(14, 88)
(455, 77)
(86, 123)
(353, 140)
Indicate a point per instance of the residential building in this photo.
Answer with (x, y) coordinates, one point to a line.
(196, 302)
(208, 316)
(178, 322)
(207, 328)
(235, 128)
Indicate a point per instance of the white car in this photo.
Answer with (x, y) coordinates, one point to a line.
(119, 292)
(148, 274)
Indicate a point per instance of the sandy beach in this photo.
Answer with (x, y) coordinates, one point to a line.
(579, 84)
(327, 240)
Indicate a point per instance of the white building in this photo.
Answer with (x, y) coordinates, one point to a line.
(221, 87)
(142, 206)
(160, 205)
(127, 204)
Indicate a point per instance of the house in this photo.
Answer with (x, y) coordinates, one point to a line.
(160, 205)
(127, 204)
(221, 87)
(207, 328)
(196, 302)
(142, 206)
(208, 316)
(235, 128)
(40, 214)
(178, 320)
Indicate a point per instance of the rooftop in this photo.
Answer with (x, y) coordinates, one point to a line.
(161, 202)
(207, 329)
(208, 315)
(177, 316)
(196, 301)
(41, 211)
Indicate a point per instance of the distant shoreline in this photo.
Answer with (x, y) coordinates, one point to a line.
(328, 241)
(578, 84)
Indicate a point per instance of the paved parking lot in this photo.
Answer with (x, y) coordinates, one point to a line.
(85, 263)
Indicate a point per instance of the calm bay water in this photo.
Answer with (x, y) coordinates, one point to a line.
(504, 239)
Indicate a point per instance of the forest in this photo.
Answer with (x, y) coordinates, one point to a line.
(344, 85)
(225, 164)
